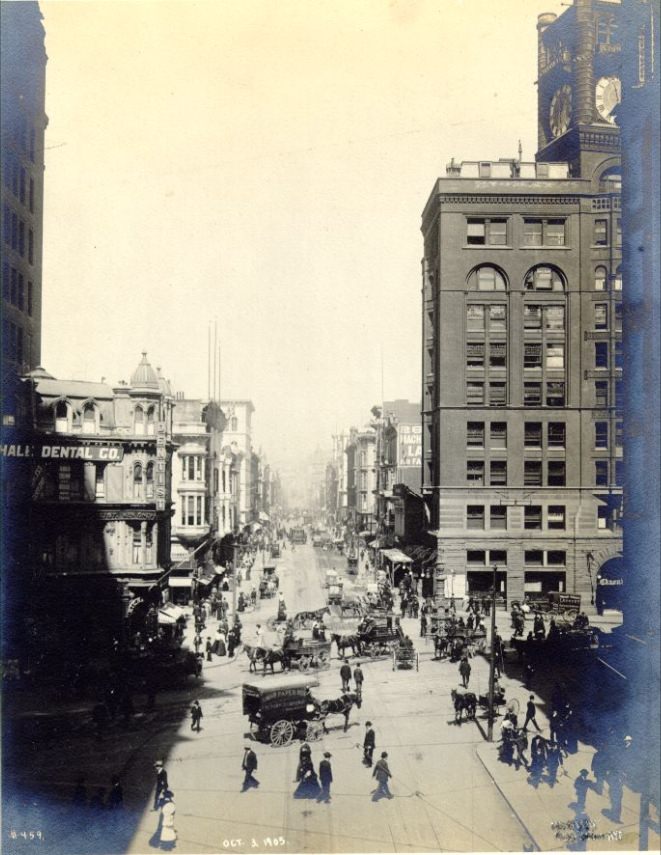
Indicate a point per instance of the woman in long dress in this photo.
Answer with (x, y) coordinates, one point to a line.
(168, 831)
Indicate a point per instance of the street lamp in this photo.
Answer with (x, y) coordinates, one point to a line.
(589, 558)
(492, 665)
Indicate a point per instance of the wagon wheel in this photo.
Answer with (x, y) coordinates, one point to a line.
(281, 733)
(323, 659)
(304, 663)
(314, 731)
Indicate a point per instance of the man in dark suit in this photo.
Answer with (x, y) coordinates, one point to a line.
(161, 782)
(369, 744)
(345, 674)
(249, 765)
(326, 778)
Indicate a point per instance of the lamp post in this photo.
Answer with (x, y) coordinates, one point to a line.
(235, 550)
(492, 663)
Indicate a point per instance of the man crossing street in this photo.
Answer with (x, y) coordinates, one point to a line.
(325, 778)
(345, 674)
(531, 711)
(369, 744)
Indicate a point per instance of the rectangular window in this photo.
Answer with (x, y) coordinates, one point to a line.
(100, 485)
(602, 517)
(555, 356)
(601, 473)
(475, 434)
(498, 318)
(476, 556)
(497, 355)
(532, 356)
(191, 510)
(532, 517)
(554, 233)
(498, 435)
(498, 517)
(618, 354)
(137, 548)
(618, 316)
(21, 193)
(555, 517)
(532, 317)
(532, 437)
(475, 472)
(532, 232)
(619, 434)
(475, 318)
(619, 396)
(198, 513)
(601, 316)
(475, 516)
(557, 434)
(601, 354)
(600, 233)
(532, 394)
(601, 434)
(619, 473)
(555, 394)
(29, 298)
(497, 556)
(31, 246)
(485, 170)
(21, 292)
(554, 318)
(474, 355)
(21, 239)
(534, 557)
(556, 557)
(556, 473)
(601, 393)
(475, 394)
(497, 394)
(31, 196)
(532, 473)
(485, 232)
(498, 470)
(618, 232)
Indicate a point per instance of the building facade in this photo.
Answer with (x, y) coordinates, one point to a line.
(237, 471)
(24, 120)
(522, 338)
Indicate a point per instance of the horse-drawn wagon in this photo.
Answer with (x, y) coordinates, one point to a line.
(269, 583)
(405, 655)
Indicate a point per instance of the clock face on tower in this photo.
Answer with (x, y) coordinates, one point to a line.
(560, 110)
(607, 95)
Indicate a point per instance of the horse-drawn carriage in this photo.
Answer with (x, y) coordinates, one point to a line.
(269, 583)
(305, 620)
(452, 637)
(286, 710)
(335, 594)
(379, 634)
(275, 550)
(301, 650)
(405, 655)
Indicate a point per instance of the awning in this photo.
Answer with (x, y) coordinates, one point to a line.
(179, 582)
(364, 533)
(396, 556)
(176, 612)
(167, 619)
(264, 517)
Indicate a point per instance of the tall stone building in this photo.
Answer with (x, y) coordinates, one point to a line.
(24, 120)
(522, 345)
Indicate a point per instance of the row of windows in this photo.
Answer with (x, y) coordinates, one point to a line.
(143, 481)
(549, 393)
(549, 356)
(13, 341)
(193, 510)
(601, 434)
(478, 471)
(601, 316)
(543, 277)
(14, 289)
(496, 515)
(556, 434)
(17, 180)
(494, 232)
(493, 318)
(192, 467)
(90, 418)
(604, 468)
(534, 557)
(17, 234)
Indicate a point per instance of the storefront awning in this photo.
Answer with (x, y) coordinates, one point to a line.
(166, 619)
(396, 556)
(175, 611)
(179, 582)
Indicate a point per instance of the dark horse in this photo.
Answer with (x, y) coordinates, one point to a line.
(463, 701)
(343, 641)
(340, 706)
(268, 658)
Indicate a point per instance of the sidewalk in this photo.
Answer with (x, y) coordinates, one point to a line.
(548, 812)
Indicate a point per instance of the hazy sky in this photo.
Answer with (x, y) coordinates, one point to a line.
(265, 163)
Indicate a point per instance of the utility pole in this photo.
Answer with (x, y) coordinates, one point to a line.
(492, 663)
(235, 549)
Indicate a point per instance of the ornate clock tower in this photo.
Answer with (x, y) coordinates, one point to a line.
(579, 89)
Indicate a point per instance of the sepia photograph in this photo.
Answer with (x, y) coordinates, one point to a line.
(331, 426)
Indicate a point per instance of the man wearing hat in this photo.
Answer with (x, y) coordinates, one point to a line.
(369, 744)
(325, 778)
(161, 782)
(249, 765)
(382, 773)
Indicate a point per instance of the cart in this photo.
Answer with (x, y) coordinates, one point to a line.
(275, 550)
(379, 634)
(331, 578)
(306, 652)
(334, 595)
(269, 582)
(404, 656)
(282, 711)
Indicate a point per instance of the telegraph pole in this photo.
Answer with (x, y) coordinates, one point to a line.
(492, 664)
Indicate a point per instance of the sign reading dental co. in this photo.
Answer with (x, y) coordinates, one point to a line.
(44, 451)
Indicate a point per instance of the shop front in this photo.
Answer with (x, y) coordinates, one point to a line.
(544, 581)
(479, 585)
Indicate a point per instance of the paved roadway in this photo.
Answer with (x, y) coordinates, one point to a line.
(444, 799)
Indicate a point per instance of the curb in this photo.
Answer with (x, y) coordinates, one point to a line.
(536, 846)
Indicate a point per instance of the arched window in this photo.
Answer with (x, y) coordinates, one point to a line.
(610, 181)
(89, 418)
(149, 481)
(139, 421)
(150, 421)
(62, 417)
(487, 278)
(600, 279)
(544, 278)
(137, 481)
